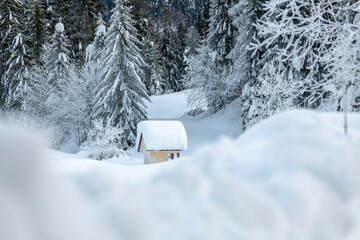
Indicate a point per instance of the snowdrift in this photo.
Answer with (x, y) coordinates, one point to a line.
(293, 176)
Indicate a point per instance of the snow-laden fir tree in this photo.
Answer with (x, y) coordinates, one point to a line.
(171, 50)
(141, 13)
(212, 67)
(172, 59)
(14, 79)
(11, 13)
(121, 94)
(181, 35)
(192, 41)
(243, 80)
(92, 64)
(222, 33)
(35, 30)
(80, 17)
(91, 68)
(200, 79)
(37, 94)
(65, 101)
(157, 81)
(192, 50)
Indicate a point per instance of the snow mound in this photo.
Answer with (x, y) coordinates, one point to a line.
(162, 135)
(59, 27)
(293, 176)
(33, 199)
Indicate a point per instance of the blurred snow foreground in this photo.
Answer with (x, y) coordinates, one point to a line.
(293, 176)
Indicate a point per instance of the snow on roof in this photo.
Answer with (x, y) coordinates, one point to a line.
(162, 135)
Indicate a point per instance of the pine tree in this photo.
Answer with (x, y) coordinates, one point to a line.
(211, 69)
(99, 40)
(58, 61)
(171, 50)
(14, 79)
(140, 10)
(36, 94)
(11, 12)
(121, 95)
(65, 104)
(192, 42)
(222, 33)
(157, 81)
(206, 19)
(92, 64)
(243, 80)
(80, 18)
(181, 35)
(172, 59)
(54, 12)
(202, 21)
(35, 31)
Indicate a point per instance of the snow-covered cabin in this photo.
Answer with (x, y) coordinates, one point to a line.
(159, 140)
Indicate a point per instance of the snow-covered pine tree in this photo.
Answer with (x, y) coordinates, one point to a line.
(53, 12)
(80, 19)
(92, 65)
(181, 35)
(35, 30)
(192, 41)
(99, 40)
(222, 33)
(171, 51)
(193, 44)
(243, 80)
(14, 78)
(157, 81)
(202, 20)
(11, 12)
(36, 94)
(93, 54)
(65, 101)
(213, 66)
(172, 59)
(58, 63)
(140, 10)
(121, 95)
(200, 74)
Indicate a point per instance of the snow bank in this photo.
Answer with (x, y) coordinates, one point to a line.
(35, 203)
(162, 135)
(293, 176)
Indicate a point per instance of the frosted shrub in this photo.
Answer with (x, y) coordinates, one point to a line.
(103, 141)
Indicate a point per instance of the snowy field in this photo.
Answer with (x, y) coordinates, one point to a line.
(293, 176)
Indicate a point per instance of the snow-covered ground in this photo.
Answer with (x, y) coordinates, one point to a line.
(293, 176)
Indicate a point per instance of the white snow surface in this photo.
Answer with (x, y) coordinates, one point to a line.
(293, 176)
(162, 135)
(59, 27)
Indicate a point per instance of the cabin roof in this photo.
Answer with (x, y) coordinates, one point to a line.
(162, 135)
